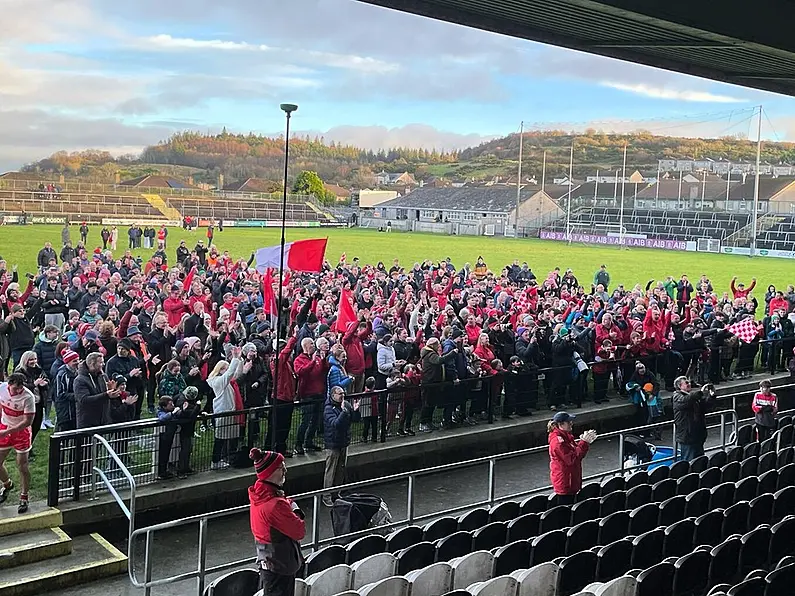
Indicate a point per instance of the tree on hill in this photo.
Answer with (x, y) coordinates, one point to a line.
(309, 183)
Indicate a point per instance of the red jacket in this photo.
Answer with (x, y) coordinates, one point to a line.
(277, 529)
(352, 342)
(286, 389)
(311, 373)
(174, 308)
(565, 462)
(779, 303)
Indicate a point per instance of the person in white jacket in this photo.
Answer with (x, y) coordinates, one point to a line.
(227, 428)
(386, 360)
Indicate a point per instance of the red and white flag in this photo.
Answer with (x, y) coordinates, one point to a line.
(745, 330)
(345, 312)
(300, 255)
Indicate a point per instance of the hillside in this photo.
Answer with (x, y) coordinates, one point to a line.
(239, 157)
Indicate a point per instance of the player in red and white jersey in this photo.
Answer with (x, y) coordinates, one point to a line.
(17, 409)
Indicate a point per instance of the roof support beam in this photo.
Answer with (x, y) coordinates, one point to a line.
(650, 45)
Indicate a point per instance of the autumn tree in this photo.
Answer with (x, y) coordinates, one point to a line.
(309, 183)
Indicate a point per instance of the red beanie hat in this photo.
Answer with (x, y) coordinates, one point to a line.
(82, 328)
(69, 356)
(148, 303)
(265, 462)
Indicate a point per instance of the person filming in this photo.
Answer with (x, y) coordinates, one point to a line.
(690, 409)
(566, 455)
(277, 524)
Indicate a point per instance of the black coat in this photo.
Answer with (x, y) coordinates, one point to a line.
(91, 399)
(690, 416)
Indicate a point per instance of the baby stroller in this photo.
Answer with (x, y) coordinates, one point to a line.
(637, 451)
(354, 512)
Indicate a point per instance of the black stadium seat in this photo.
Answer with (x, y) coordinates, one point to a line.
(671, 510)
(511, 557)
(613, 560)
(555, 519)
(613, 503)
(403, 538)
(638, 478)
(576, 572)
(582, 536)
(584, 511)
(691, 573)
(647, 549)
(725, 564)
(440, 528)
(638, 496)
(735, 519)
(505, 512)
(364, 547)
(477, 518)
(656, 580)
(523, 527)
(415, 557)
(547, 547)
(453, 546)
(679, 538)
(489, 536)
(329, 556)
(746, 489)
(761, 511)
(613, 527)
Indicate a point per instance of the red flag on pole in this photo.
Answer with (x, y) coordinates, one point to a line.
(345, 312)
(269, 298)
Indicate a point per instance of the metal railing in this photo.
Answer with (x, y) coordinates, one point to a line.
(98, 472)
(395, 410)
(202, 570)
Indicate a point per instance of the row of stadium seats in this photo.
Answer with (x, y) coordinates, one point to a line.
(721, 505)
(243, 208)
(665, 224)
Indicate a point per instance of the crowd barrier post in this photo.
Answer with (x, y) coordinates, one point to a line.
(53, 472)
(383, 410)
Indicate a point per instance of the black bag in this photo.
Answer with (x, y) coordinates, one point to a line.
(635, 445)
(353, 512)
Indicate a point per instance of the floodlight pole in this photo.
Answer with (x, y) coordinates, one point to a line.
(288, 109)
(568, 200)
(756, 181)
(519, 181)
(621, 208)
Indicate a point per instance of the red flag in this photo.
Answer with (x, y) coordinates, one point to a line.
(345, 312)
(269, 298)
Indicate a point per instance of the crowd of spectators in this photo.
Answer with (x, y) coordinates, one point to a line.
(105, 337)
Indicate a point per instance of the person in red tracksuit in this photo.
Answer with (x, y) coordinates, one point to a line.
(565, 456)
(277, 524)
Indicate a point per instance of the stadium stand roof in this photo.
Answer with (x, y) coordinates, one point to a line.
(732, 41)
(151, 181)
(670, 189)
(486, 199)
(251, 185)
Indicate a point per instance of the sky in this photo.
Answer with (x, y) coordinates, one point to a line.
(78, 74)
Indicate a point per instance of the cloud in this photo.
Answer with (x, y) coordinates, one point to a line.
(317, 58)
(671, 94)
(29, 135)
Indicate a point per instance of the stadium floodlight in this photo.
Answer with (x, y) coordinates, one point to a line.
(288, 109)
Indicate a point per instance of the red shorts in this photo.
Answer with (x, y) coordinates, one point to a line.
(20, 441)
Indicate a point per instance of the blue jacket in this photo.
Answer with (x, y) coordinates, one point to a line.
(336, 377)
(337, 425)
(457, 367)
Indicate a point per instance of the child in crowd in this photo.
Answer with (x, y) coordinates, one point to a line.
(411, 400)
(513, 387)
(368, 410)
(177, 418)
(765, 407)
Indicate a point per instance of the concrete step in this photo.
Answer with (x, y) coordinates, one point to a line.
(38, 517)
(92, 558)
(33, 546)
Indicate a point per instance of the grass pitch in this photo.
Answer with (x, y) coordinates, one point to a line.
(20, 244)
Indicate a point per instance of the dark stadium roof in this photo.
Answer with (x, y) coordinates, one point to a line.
(669, 189)
(743, 43)
(768, 188)
(250, 185)
(486, 199)
(151, 181)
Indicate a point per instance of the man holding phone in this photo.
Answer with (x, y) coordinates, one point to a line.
(92, 396)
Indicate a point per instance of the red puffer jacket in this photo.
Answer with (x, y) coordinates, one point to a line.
(565, 462)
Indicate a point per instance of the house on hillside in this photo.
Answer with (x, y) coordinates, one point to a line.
(384, 178)
(486, 210)
(342, 194)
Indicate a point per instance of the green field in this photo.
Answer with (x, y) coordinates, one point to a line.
(20, 245)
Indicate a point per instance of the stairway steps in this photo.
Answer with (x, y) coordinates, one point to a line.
(34, 546)
(92, 558)
(39, 517)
